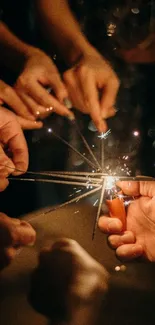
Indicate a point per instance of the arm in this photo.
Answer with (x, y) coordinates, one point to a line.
(58, 23)
(13, 52)
(90, 73)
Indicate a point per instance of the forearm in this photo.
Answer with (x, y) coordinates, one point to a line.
(13, 51)
(61, 28)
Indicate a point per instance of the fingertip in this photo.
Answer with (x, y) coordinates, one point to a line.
(3, 184)
(129, 251)
(110, 225)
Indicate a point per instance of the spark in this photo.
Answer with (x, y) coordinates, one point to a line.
(136, 133)
(104, 135)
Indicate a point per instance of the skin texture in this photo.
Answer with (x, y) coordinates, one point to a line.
(36, 71)
(89, 73)
(14, 234)
(138, 239)
(12, 139)
(84, 81)
(9, 96)
(39, 72)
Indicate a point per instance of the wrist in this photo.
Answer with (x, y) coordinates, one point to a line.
(77, 50)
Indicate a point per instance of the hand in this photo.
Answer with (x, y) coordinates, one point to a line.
(85, 80)
(40, 72)
(82, 281)
(11, 139)
(139, 237)
(9, 96)
(14, 233)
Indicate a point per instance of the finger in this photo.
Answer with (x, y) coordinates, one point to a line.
(11, 98)
(43, 98)
(3, 184)
(58, 86)
(6, 256)
(36, 110)
(147, 188)
(91, 100)
(29, 125)
(117, 240)
(18, 147)
(25, 234)
(6, 164)
(110, 113)
(110, 225)
(131, 188)
(108, 98)
(16, 234)
(129, 251)
(74, 91)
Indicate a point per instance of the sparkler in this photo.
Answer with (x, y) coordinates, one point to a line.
(94, 181)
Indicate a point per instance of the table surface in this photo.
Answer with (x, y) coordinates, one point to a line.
(131, 297)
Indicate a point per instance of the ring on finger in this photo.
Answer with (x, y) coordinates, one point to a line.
(50, 109)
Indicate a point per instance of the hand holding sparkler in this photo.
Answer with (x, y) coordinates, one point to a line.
(13, 142)
(91, 75)
(139, 237)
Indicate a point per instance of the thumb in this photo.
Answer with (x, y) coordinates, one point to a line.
(131, 188)
(147, 188)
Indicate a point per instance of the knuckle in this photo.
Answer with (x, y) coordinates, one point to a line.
(115, 81)
(82, 70)
(67, 76)
(22, 82)
(7, 90)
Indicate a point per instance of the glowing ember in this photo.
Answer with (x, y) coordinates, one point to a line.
(136, 133)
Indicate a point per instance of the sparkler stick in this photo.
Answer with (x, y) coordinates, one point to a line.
(82, 196)
(65, 204)
(52, 181)
(75, 150)
(90, 174)
(55, 173)
(86, 144)
(102, 154)
(99, 208)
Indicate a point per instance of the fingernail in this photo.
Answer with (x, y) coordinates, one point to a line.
(114, 225)
(68, 103)
(37, 113)
(71, 117)
(92, 127)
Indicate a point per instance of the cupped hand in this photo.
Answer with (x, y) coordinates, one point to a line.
(38, 74)
(14, 234)
(139, 237)
(93, 85)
